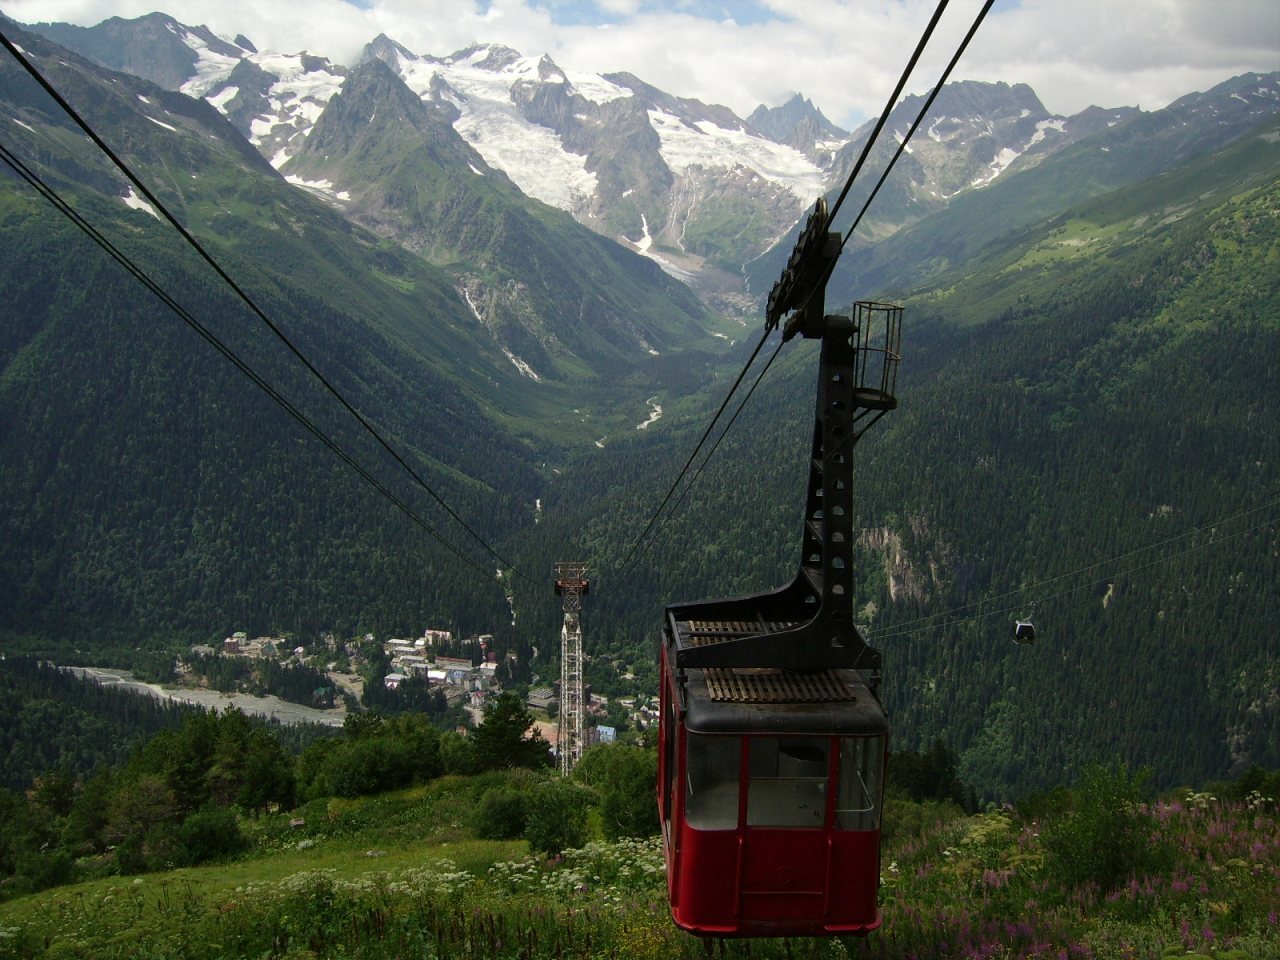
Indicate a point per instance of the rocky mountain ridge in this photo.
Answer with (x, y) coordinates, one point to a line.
(690, 185)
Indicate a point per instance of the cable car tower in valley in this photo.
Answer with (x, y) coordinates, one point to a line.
(773, 739)
(571, 585)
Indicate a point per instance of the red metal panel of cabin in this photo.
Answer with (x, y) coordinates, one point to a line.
(783, 882)
(709, 906)
(784, 877)
(855, 880)
(759, 881)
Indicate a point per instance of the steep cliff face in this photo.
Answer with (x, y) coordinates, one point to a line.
(928, 573)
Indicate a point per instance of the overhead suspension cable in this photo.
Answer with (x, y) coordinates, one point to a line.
(711, 453)
(871, 139)
(48, 192)
(858, 219)
(625, 565)
(958, 614)
(888, 107)
(924, 111)
(902, 146)
(30, 68)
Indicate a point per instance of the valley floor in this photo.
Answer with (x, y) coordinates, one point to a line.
(270, 707)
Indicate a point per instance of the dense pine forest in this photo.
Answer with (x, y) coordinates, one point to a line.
(1083, 439)
(56, 723)
(51, 720)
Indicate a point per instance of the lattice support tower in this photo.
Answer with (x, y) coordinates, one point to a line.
(571, 585)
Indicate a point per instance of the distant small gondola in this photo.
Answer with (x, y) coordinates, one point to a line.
(1024, 632)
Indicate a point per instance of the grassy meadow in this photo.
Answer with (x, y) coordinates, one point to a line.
(1076, 874)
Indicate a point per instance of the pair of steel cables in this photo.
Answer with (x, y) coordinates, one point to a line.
(31, 177)
(635, 552)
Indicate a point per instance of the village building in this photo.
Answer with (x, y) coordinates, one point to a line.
(540, 698)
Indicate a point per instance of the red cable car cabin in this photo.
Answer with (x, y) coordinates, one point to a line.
(771, 808)
(773, 738)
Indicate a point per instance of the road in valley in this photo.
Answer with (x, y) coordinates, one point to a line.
(268, 706)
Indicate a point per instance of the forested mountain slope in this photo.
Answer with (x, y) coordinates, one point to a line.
(1097, 384)
(1084, 380)
(149, 491)
(558, 299)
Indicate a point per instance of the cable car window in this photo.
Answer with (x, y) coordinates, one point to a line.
(788, 782)
(861, 775)
(711, 765)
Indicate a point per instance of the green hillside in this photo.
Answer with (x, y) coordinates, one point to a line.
(564, 300)
(151, 495)
(1084, 434)
(1075, 393)
(143, 475)
(397, 838)
(402, 874)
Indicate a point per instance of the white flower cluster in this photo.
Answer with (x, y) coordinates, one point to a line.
(515, 875)
(608, 870)
(441, 877)
(1255, 801)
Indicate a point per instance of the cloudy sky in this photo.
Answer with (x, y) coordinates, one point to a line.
(844, 54)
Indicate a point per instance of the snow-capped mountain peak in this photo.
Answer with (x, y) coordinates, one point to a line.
(275, 99)
(688, 184)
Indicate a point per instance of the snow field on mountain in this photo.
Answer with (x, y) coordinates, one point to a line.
(298, 94)
(211, 66)
(596, 89)
(706, 145)
(135, 202)
(531, 155)
(223, 97)
(1058, 124)
(319, 186)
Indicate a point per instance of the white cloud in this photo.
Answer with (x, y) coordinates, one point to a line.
(1125, 54)
(843, 54)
